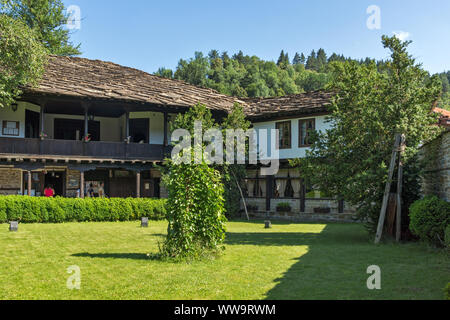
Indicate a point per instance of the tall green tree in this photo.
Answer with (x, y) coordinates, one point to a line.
(22, 59)
(165, 73)
(311, 62)
(283, 59)
(195, 205)
(321, 60)
(351, 159)
(47, 18)
(302, 58)
(297, 59)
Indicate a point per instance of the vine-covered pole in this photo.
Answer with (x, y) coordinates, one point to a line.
(387, 189)
(400, 189)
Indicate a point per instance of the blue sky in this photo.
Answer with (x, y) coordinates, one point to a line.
(148, 34)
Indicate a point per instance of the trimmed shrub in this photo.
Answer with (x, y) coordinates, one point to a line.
(447, 292)
(429, 218)
(3, 216)
(56, 210)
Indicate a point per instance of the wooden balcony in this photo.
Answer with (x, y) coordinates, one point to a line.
(80, 149)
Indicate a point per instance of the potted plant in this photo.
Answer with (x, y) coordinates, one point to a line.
(284, 207)
(87, 138)
(42, 135)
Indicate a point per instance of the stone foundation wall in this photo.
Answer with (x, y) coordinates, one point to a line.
(436, 180)
(257, 209)
(10, 181)
(73, 178)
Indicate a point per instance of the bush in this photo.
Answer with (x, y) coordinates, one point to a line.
(56, 210)
(447, 236)
(429, 219)
(195, 211)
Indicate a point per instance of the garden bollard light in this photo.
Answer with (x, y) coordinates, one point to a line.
(144, 222)
(13, 226)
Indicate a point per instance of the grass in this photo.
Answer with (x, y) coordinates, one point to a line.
(289, 261)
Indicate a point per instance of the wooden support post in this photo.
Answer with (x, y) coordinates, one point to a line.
(42, 119)
(269, 191)
(86, 121)
(398, 231)
(341, 206)
(387, 189)
(29, 183)
(127, 125)
(82, 184)
(166, 138)
(138, 184)
(302, 195)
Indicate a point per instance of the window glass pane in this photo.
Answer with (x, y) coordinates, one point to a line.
(284, 134)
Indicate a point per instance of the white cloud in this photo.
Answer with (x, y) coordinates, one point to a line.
(402, 35)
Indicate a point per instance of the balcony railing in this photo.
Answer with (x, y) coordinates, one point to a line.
(92, 149)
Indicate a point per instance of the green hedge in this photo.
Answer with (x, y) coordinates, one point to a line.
(429, 217)
(56, 210)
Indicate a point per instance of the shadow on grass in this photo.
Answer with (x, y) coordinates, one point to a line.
(333, 268)
(135, 256)
(271, 238)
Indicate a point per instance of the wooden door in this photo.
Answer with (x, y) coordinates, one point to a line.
(139, 130)
(122, 188)
(147, 188)
(31, 124)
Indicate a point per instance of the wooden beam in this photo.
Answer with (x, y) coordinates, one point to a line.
(387, 189)
(398, 231)
(127, 124)
(138, 184)
(29, 183)
(42, 117)
(86, 120)
(302, 195)
(269, 191)
(166, 138)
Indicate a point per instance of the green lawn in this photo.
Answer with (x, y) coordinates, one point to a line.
(289, 261)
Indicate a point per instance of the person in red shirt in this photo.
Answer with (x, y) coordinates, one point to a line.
(49, 192)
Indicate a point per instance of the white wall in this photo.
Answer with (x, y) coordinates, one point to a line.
(19, 115)
(294, 151)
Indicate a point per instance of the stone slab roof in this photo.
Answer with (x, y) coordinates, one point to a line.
(296, 104)
(95, 79)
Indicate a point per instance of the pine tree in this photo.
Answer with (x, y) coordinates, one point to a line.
(321, 60)
(302, 58)
(296, 59)
(47, 18)
(281, 58)
(311, 62)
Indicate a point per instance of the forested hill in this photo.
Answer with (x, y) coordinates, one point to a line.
(249, 76)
